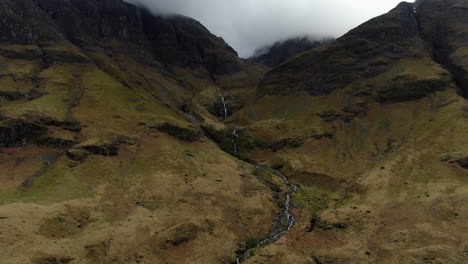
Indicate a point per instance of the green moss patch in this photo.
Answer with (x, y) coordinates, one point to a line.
(312, 198)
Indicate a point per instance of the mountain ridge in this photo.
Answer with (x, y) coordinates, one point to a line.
(283, 50)
(76, 21)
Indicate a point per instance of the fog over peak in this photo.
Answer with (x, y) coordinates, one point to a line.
(247, 25)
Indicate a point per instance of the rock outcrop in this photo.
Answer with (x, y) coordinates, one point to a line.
(444, 26)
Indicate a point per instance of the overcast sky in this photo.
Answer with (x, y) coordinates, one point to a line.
(249, 24)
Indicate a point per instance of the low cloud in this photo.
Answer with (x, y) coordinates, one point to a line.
(249, 24)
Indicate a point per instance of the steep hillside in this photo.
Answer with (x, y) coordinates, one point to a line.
(102, 158)
(374, 130)
(282, 51)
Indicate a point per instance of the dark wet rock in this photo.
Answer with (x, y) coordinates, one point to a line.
(55, 260)
(286, 143)
(15, 96)
(72, 125)
(217, 109)
(463, 162)
(356, 110)
(28, 54)
(124, 140)
(53, 57)
(223, 138)
(330, 115)
(108, 149)
(188, 134)
(319, 223)
(58, 143)
(12, 96)
(340, 226)
(317, 260)
(459, 158)
(15, 133)
(313, 225)
(323, 135)
(281, 51)
(78, 155)
(346, 114)
(183, 234)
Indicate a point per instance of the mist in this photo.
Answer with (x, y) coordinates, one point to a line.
(247, 25)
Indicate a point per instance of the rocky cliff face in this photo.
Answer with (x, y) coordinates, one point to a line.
(172, 40)
(282, 51)
(443, 26)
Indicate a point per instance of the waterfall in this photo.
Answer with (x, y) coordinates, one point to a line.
(235, 137)
(234, 142)
(285, 219)
(225, 108)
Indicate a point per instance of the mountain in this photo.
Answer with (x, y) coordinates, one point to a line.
(129, 137)
(103, 158)
(374, 128)
(281, 51)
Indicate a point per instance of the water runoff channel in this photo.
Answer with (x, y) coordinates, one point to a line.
(284, 220)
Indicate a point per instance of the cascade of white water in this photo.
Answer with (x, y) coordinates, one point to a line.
(280, 227)
(234, 142)
(225, 108)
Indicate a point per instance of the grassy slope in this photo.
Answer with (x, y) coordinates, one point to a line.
(389, 163)
(375, 155)
(158, 200)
